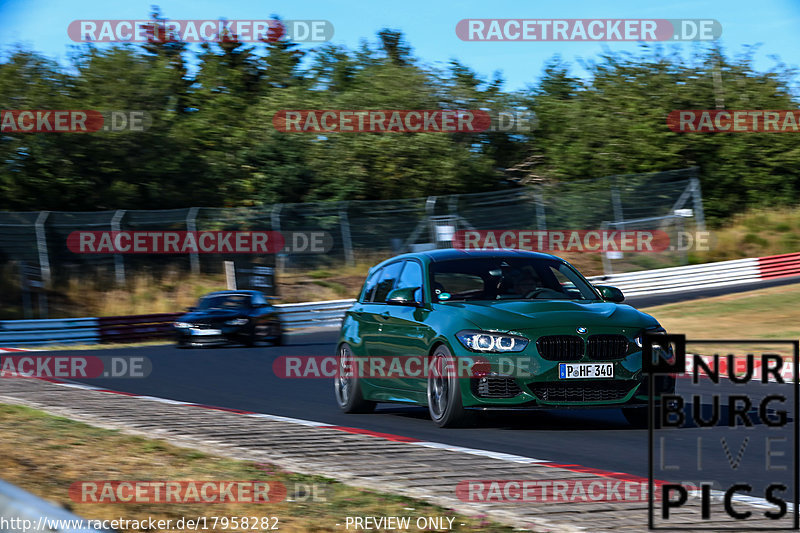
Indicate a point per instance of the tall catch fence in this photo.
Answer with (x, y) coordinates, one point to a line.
(668, 201)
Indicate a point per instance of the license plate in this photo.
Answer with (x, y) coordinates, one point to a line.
(585, 370)
(206, 332)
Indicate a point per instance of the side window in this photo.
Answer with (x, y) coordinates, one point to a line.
(563, 280)
(369, 286)
(411, 277)
(569, 282)
(386, 281)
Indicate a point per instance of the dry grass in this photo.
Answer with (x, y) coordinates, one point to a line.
(755, 233)
(752, 234)
(44, 455)
(772, 313)
(145, 293)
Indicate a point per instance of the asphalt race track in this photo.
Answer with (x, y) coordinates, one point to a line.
(242, 378)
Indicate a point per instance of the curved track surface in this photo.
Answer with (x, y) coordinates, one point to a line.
(242, 378)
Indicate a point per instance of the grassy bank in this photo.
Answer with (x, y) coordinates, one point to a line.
(772, 313)
(44, 455)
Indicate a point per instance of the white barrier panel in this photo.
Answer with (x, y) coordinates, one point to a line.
(49, 331)
(684, 278)
(314, 314)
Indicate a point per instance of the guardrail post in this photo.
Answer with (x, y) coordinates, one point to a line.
(430, 211)
(541, 220)
(41, 244)
(697, 198)
(275, 222)
(230, 275)
(616, 203)
(44, 262)
(344, 224)
(607, 270)
(26, 295)
(119, 265)
(191, 225)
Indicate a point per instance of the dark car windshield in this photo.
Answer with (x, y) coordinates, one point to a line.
(507, 278)
(225, 301)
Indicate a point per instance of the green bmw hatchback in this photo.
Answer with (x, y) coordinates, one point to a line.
(462, 330)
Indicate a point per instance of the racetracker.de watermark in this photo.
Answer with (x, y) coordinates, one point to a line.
(199, 31)
(184, 492)
(402, 121)
(734, 121)
(552, 490)
(74, 366)
(597, 30)
(198, 242)
(647, 241)
(73, 121)
(401, 367)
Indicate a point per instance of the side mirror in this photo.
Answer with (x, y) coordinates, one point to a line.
(611, 294)
(404, 296)
(190, 309)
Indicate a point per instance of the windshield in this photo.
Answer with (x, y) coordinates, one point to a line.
(504, 278)
(225, 301)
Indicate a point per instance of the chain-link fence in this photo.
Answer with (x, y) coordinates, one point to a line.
(368, 229)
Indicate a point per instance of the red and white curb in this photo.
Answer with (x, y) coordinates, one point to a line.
(739, 368)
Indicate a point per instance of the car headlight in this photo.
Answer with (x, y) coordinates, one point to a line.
(182, 325)
(656, 329)
(236, 322)
(487, 341)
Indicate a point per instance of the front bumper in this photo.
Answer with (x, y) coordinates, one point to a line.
(527, 380)
(508, 393)
(209, 335)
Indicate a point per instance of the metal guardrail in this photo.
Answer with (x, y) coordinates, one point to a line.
(779, 266)
(135, 328)
(19, 509)
(703, 276)
(149, 327)
(314, 314)
(330, 313)
(49, 331)
(685, 278)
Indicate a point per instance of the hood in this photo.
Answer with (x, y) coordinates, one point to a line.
(517, 315)
(213, 315)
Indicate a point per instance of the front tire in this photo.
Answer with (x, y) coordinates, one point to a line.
(444, 391)
(251, 339)
(280, 338)
(347, 386)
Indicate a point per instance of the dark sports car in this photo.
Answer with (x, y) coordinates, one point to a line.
(499, 329)
(230, 316)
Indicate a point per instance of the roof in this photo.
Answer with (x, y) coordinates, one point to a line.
(449, 254)
(242, 292)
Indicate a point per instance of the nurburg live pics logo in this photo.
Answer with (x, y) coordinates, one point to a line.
(744, 439)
